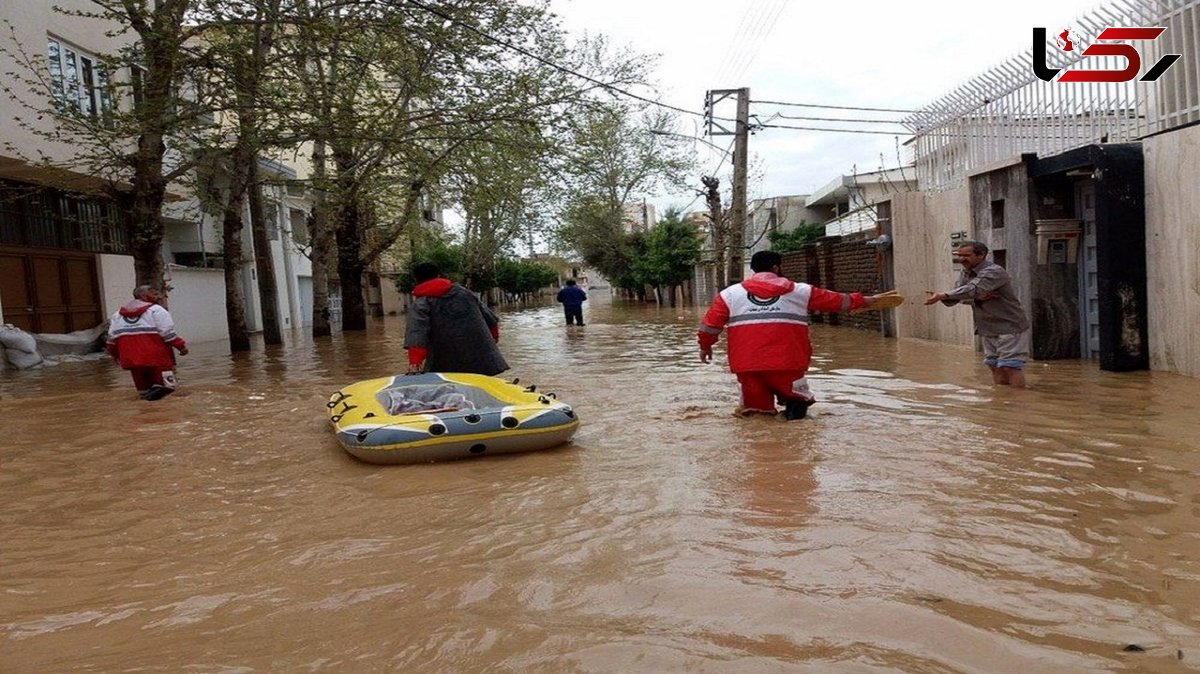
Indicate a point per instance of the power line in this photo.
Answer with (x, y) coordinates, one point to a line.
(833, 107)
(767, 26)
(814, 128)
(837, 119)
(733, 49)
(728, 153)
(539, 59)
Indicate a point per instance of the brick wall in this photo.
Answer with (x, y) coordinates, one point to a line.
(844, 264)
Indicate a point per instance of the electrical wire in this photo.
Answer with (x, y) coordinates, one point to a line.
(764, 31)
(732, 49)
(727, 155)
(544, 61)
(814, 128)
(834, 107)
(780, 115)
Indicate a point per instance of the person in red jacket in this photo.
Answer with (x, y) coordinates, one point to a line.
(769, 345)
(141, 335)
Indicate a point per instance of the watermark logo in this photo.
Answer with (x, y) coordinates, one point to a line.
(1063, 40)
(1110, 42)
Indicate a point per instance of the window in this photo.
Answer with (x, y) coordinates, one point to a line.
(78, 80)
(201, 260)
(137, 79)
(40, 216)
(998, 214)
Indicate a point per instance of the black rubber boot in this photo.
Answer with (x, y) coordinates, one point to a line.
(796, 409)
(158, 392)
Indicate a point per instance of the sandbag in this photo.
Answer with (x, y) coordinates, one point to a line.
(78, 343)
(20, 347)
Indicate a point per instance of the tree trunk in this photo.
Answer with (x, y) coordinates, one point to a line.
(322, 244)
(717, 224)
(350, 266)
(149, 191)
(264, 262)
(235, 308)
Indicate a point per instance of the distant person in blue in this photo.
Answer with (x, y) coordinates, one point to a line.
(572, 298)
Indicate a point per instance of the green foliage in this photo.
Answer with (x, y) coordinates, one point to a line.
(672, 249)
(519, 277)
(635, 273)
(592, 228)
(617, 153)
(448, 258)
(787, 242)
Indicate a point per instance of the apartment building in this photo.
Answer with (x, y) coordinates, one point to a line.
(65, 256)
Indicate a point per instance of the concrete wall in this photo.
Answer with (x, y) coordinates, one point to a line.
(393, 302)
(32, 23)
(1172, 162)
(922, 224)
(198, 303)
(117, 279)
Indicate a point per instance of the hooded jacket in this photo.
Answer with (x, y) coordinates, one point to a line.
(767, 317)
(141, 334)
(452, 331)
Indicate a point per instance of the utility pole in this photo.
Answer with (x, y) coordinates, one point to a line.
(737, 210)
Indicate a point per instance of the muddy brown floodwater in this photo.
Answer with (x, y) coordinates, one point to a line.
(919, 520)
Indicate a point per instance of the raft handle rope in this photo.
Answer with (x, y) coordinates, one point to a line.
(341, 396)
(362, 435)
(338, 417)
(531, 388)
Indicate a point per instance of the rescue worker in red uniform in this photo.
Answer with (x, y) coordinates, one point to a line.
(141, 335)
(769, 345)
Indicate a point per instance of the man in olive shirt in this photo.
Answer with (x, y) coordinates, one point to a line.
(999, 318)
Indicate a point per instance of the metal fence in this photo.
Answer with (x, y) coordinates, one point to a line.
(1007, 110)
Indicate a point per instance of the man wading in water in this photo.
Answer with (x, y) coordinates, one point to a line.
(769, 346)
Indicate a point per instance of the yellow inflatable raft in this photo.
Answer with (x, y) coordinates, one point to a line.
(443, 416)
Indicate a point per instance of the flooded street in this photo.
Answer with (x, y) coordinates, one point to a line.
(918, 520)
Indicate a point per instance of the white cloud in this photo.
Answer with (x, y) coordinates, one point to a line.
(867, 54)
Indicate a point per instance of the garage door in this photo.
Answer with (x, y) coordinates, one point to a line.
(49, 291)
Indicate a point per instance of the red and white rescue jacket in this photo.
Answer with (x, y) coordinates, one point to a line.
(141, 334)
(767, 317)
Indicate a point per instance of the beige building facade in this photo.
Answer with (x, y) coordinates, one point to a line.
(65, 261)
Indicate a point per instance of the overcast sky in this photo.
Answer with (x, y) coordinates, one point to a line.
(868, 53)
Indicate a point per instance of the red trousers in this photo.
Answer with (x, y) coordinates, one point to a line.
(761, 389)
(145, 377)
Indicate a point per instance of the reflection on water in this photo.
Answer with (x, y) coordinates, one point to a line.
(919, 520)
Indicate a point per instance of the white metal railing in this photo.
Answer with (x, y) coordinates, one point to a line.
(1007, 110)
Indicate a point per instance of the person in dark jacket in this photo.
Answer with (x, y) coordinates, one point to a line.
(449, 329)
(141, 336)
(572, 298)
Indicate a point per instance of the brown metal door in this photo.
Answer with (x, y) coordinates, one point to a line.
(15, 291)
(83, 292)
(49, 292)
